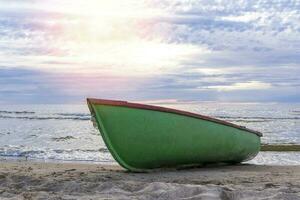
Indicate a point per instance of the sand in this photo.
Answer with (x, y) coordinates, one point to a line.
(36, 180)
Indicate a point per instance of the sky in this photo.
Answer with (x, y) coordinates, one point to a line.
(62, 51)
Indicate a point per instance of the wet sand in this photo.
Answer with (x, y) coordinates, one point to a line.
(36, 180)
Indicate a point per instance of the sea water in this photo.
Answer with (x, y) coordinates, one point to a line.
(65, 132)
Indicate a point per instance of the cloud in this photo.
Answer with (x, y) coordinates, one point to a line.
(207, 50)
(252, 85)
(257, 28)
(23, 85)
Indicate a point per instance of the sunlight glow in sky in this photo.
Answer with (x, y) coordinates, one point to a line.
(62, 51)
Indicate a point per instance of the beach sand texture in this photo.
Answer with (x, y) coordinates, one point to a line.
(34, 180)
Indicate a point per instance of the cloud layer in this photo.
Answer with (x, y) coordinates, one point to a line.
(57, 51)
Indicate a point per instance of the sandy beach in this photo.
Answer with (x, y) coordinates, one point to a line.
(37, 180)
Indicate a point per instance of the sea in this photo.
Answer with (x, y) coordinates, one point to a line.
(64, 133)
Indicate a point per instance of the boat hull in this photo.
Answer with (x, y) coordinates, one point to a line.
(141, 139)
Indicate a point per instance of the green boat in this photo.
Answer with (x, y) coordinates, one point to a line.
(142, 137)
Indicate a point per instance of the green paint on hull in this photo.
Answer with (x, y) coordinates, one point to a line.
(141, 139)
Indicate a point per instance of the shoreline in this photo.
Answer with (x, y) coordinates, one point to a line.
(50, 180)
(264, 157)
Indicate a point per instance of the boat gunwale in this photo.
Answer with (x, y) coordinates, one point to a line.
(168, 110)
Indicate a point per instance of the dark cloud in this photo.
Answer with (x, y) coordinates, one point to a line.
(19, 85)
(25, 85)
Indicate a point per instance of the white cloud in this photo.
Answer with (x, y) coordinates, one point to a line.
(166, 45)
(252, 85)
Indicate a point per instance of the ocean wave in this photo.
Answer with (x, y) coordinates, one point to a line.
(295, 112)
(103, 150)
(262, 118)
(248, 121)
(18, 152)
(59, 114)
(59, 139)
(16, 112)
(74, 114)
(280, 147)
(44, 118)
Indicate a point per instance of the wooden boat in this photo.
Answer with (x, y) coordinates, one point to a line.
(142, 137)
